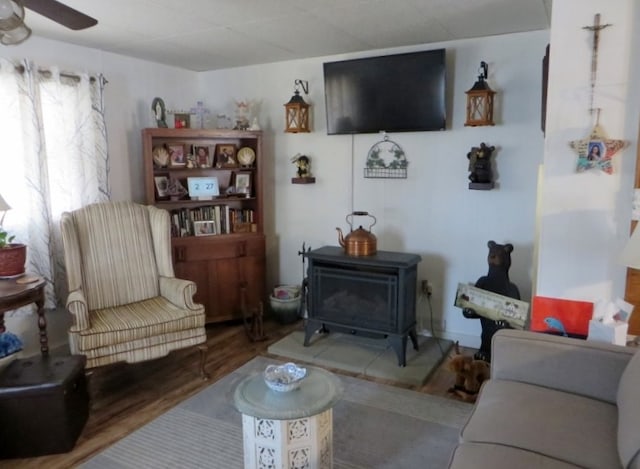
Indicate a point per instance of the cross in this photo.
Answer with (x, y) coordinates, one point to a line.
(596, 28)
(200, 111)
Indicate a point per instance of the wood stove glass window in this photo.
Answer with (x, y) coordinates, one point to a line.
(356, 298)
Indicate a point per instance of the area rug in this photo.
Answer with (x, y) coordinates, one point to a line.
(375, 426)
(368, 357)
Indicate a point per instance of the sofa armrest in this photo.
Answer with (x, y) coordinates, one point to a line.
(77, 306)
(583, 367)
(179, 292)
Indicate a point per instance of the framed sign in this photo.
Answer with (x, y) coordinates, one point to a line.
(203, 188)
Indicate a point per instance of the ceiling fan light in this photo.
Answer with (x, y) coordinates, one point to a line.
(15, 36)
(8, 9)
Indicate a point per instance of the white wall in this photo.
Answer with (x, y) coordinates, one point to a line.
(432, 212)
(585, 216)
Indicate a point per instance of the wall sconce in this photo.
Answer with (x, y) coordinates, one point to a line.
(12, 28)
(480, 100)
(297, 111)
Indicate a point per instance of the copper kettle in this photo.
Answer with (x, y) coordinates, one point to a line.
(359, 242)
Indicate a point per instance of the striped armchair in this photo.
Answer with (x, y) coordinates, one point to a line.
(126, 303)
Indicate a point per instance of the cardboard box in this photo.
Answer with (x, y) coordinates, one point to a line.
(612, 332)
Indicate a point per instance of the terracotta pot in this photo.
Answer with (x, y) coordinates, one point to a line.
(12, 260)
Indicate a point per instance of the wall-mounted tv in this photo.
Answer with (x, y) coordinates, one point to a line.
(392, 93)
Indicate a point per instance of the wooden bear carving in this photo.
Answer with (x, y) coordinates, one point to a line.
(480, 164)
(496, 281)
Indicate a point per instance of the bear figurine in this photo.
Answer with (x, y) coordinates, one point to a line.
(496, 281)
(480, 164)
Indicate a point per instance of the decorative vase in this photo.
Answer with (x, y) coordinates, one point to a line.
(12, 260)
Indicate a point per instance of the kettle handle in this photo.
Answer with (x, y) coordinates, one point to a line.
(359, 214)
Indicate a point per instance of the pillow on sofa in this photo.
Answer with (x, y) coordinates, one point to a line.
(629, 414)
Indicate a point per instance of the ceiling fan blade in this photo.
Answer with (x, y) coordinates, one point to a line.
(60, 13)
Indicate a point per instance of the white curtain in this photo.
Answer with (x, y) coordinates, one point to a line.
(53, 159)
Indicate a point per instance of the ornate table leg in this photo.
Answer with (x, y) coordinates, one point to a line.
(42, 324)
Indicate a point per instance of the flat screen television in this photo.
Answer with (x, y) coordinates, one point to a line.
(392, 93)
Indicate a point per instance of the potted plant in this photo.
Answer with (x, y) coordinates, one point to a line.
(12, 255)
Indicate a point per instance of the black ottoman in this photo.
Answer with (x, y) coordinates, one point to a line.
(44, 405)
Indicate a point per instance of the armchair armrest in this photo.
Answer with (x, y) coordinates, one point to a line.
(587, 368)
(77, 306)
(179, 292)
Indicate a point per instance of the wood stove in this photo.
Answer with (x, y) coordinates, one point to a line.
(372, 295)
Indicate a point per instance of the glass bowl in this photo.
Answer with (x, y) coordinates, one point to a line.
(284, 378)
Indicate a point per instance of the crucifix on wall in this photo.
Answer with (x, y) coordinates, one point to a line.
(596, 150)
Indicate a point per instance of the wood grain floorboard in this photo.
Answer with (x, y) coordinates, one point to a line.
(125, 397)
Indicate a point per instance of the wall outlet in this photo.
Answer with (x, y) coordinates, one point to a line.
(426, 288)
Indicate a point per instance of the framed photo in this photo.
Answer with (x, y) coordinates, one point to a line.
(243, 183)
(177, 155)
(204, 228)
(202, 156)
(162, 186)
(226, 156)
(181, 121)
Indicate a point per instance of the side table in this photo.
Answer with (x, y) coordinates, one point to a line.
(288, 430)
(14, 295)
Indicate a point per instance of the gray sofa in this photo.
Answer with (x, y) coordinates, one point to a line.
(554, 402)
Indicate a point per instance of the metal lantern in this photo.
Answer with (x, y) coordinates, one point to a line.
(480, 100)
(297, 110)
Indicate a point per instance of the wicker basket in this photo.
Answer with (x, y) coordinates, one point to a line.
(12, 260)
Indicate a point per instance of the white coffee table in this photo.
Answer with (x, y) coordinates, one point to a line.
(288, 430)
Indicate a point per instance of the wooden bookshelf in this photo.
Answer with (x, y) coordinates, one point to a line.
(218, 242)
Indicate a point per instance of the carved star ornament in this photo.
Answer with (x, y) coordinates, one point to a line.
(596, 151)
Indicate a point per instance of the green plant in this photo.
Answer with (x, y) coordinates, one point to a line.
(5, 239)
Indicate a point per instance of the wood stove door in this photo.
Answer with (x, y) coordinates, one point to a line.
(355, 298)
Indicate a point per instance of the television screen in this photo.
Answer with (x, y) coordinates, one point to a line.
(394, 93)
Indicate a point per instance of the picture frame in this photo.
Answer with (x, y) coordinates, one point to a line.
(242, 183)
(204, 228)
(162, 186)
(181, 121)
(202, 155)
(177, 155)
(226, 156)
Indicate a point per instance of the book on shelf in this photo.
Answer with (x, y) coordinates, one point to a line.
(225, 220)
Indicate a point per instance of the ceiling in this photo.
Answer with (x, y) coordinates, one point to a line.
(204, 35)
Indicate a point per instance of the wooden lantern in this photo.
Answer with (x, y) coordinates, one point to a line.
(480, 100)
(297, 110)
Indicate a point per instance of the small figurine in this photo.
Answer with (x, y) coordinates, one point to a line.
(191, 161)
(303, 163)
(242, 114)
(157, 106)
(480, 167)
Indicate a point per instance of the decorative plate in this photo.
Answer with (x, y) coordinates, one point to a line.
(284, 378)
(246, 156)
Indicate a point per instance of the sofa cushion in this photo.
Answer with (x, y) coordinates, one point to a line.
(492, 456)
(629, 414)
(561, 425)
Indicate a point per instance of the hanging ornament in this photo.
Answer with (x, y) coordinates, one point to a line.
(597, 149)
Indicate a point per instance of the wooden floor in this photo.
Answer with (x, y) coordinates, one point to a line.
(125, 397)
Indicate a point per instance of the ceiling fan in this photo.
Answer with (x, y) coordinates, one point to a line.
(13, 30)
(60, 13)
